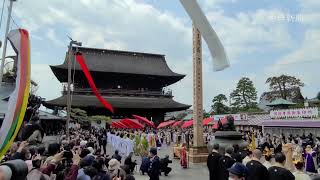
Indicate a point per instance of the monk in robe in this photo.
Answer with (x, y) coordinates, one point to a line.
(183, 157)
(310, 159)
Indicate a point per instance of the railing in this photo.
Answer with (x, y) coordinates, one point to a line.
(122, 92)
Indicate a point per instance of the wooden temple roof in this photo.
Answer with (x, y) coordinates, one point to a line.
(120, 102)
(114, 61)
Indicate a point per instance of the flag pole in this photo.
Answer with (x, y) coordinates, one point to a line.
(5, 41)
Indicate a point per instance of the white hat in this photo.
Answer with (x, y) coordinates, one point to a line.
(113, 164)
(6, 171)
(83, 143)
(91, 150)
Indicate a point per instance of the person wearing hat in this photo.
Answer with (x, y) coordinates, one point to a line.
(256, 168)
(213, 162)
(225, 162)
(154, 169)
(115, 170)
(237, 171)
(278, 171)
(310, 159)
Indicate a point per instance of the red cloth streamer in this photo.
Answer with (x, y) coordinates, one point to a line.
(86, 72)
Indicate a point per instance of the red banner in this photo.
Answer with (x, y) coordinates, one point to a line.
(86, 72)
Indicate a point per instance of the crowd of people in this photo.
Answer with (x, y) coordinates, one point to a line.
(267, 158)
(85, 156)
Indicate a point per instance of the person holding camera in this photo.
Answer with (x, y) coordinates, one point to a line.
(164, 163)
(130, 165)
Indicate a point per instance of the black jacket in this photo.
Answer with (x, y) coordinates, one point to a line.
(213, 165)
(225, 163)
(154, 169)
(164, 163)
(256, 170)
(117, 157)
(279, 173)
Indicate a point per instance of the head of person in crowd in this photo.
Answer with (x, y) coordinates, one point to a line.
(153, 152)
(53, 149)
(115, 170)
(216, 147)
(116, 152)
(229, 150)
(299, 165)
(84, 152)
(267, 158)
(280, 158)
(236, 148)
(130, 155)
(238, 171)
(5, 172)
(256, 154)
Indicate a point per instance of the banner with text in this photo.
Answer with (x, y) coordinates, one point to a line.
(295, 113)
(237, 117)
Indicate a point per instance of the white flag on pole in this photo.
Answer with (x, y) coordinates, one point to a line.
(220, 60)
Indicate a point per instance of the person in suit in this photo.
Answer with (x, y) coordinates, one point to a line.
(154, 169)
(213, 162)
(225, 162)
(256, 168)
(278, 171)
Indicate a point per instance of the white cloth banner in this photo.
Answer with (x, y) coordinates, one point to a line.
(295, 113)
(236, 117)
(123, 145)
(220, 60)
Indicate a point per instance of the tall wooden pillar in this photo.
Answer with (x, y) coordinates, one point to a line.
(198, 153)
(197, 89)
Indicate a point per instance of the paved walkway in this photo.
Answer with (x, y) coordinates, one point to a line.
(195, 171)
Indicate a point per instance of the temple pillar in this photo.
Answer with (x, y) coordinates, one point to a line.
(198, 153)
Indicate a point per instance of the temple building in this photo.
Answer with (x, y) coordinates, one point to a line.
(132, 82)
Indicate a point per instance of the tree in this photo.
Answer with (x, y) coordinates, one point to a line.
(283, 84)
(318, 96)
(245, 94)
(218, 107)
(205, 114)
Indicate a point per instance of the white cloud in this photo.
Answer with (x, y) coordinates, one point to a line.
(134, 25)
(51, 35)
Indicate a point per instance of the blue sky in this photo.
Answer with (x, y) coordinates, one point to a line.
(258, 40)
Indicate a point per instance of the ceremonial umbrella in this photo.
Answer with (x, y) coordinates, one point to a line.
(187, 124)
(177, 123)
(165, 124)
(118, 125)
(207, 121)
(130, 123)
(144, 120)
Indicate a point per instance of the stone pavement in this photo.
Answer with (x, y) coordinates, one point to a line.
(194, 172)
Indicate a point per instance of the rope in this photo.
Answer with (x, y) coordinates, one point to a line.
(2, 12)
(14, 22)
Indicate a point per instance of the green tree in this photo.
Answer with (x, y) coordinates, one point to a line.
(283, 84)
(218, 107)
(245, 95)
(100, 118)
(318, 96)
(205, 114)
